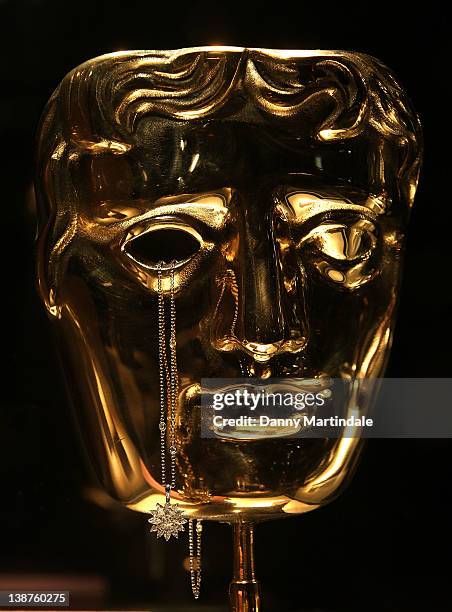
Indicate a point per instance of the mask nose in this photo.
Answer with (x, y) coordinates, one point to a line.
(269, 315)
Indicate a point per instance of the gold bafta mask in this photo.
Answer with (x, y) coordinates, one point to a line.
(269, 193)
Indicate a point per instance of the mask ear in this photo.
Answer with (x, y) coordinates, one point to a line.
(53, 229)
(410, 178)
(46, 291)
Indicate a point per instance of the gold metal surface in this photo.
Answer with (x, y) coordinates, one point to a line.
(281, 183)
(244, 590)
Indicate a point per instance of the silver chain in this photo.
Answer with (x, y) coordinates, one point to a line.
(169, 394)
(168, 382)
(195, 572)
(162, 352)
(174, 382)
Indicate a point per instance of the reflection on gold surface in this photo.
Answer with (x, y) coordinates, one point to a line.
(279, 183)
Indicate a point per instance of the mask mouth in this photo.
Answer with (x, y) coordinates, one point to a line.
(261, 412)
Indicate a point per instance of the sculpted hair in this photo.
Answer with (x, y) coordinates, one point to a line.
(342, 93)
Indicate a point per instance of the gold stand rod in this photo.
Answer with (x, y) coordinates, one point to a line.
(244, 592)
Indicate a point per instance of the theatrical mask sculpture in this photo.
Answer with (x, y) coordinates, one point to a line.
(221, 212)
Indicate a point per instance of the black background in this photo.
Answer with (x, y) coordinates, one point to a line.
(385, 543)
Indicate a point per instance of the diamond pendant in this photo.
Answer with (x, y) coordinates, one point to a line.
(167, 520)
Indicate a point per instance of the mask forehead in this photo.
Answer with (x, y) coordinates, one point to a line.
(312, 108)
(198, 157)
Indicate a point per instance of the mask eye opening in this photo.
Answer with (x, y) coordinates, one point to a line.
(165, 244)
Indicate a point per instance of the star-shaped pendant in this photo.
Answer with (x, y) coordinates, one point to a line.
(167, 520)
